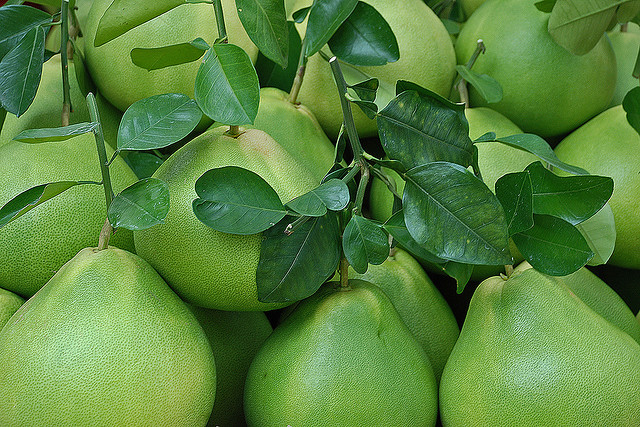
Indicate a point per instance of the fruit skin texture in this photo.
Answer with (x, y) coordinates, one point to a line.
(105, 342)
(541, 98)
(469, 6)
(343, 357)
(38, 243)
(205, 267)
(626, 46)
(418, 302)
(428, 60)
(179, 25)
(235, 338)
(9, 303)
(531, 353)
(607, 145)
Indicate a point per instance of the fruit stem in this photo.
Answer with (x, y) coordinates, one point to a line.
(105, 235)
(64, 56)
(624, 27)
(234, 130)
(460, 83)
(297, 81)
(222, 29)
(508, 269)
(344, 272)
(102, 152)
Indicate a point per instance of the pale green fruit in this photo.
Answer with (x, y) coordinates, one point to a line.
(607, 145)
(205, 267)
(626, 46)
(38, 243)
(9, 303)
(547, 90)
(599, 297)
(418, 302)
(428, 60)
(105, 342)
(123, 83)
(531, 353)
(469, 6)
(343, 357)
(296, 129)
(46, 109)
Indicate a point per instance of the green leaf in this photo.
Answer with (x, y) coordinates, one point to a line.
(365, 38)
(417, 129)
(538, 146)
(167, 56)
(324, 19)
(631, 105)
(452, 27)
(3, 115)
(396, 227)
(487, 86)
(158, 121)
(50, 3)
(143, 164)
(237, 201)
(123, 15)
(572, 198)
(515, 193)
(627, 11)
(20, 72)
(391, 164)
(578, 25)
(85, 82)
(17, 21)
(366, 90)
(545, 6)
(141, 205)
(600, 233)
(271, 74)
(292, 267)
(455, 215)
(487, 137)
(364, 243)
(460, 272)
(55, 134)
(29, 199)
(299, 15)
(332, 194)
(265, 21)
(227, 88)
(370, 109)
(553, 246)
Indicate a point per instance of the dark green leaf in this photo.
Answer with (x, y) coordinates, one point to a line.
(627, 11)
(487, 86)
(332, 194)
(391, 164)
(271, 74)
(636, 67)
(572, 198)
(85, 82)
(299, 15)
(20, 72)
(3, 115)
(631, 105)
(294, 267)
(167, 56)
(487, 137)
(396, 227)
(515, 193)
(364, 243)
(370, 109)
(141, 205)
(600, 233)
(366, 90)
(237, 201)
(538, 146)
(452, 27)
(341, 145)
(324, 19)
(17, 21)
(29, 199)
(265, 21)
(50, 3)
(545, 6)
(417, 129)
(227, 88)
(460, 272)
(553, 246)
(455, 215)
(143, 164)
(365, 38)
(158, 121)
(123, 15)
(55, 134)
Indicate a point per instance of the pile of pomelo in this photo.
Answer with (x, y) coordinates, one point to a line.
(167, 326)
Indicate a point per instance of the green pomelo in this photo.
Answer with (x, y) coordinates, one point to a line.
(35, 245)
(105, 342)
(343, 357)
(418, 302)
(547, 90)
(531, 353)
(182, 24)
(607, 145)
(626, 46)
(205, 267)
(9, 303)
(470, 6)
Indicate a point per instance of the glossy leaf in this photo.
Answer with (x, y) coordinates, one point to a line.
(237, 201)
(265, 21)
(486, 137)
(55, 134)
(158, 121)
(390, 164)
(3, 115)
(455, 215)
(365, 38)
(300, 14)
(460, 272)
(167, 56)
(364, 243)
(271, 74)
(487, 86)
(572, 198)
(17, 21)
(123, 15)
(324, 19)
(50, 3)
(515, 193)
(29, 199)
(627, 11)
(367, 89)
(85, 82)
(631, 105)
(20, 72)
(545, 6)
(417, 129)
(370, 109)
(141, 163)
(553, 246)
(395, 226)
(332, 194)
(600, 233)
(227, 88)
(293, 267)
(141, 205)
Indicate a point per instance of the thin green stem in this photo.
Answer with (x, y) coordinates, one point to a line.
(351, 174)
(102, 151)
(344, 272)
(64, 56)
(460, 83)
(222, 29)
(347, 115)
(297, 81)
(362, 187)
(390, 183)
(289, 230)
